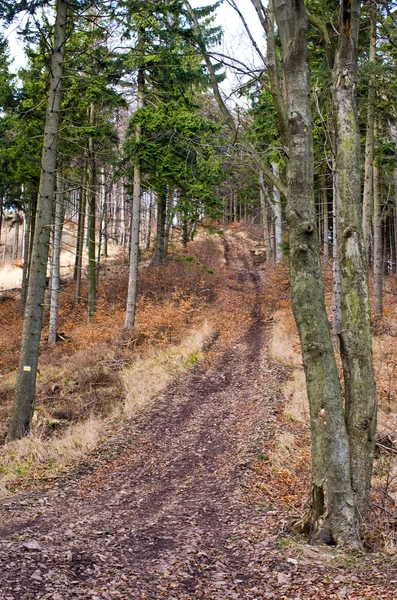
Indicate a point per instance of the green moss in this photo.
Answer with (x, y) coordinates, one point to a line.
(353, 305)
(193, 358)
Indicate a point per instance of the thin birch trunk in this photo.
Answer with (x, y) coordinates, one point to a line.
(159, 253)
(395, 215)
(136, 212)
(278, 223)
(80, 237)
(5, 245)
(15, 246)
(264, 219)
(149, 223)
(104, 222)
(55, 263)
(378, 246)
(91, 205)
(25, 256)
(324, 211)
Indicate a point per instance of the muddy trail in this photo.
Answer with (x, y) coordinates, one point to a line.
(160, 516)
(161, 511)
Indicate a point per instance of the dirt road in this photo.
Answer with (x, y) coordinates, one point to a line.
(162, 517)
(161, 510)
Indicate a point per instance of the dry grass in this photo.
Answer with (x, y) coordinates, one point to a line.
(289, 457)
(39, 455)
(149, 376)
(36, 456)
(297, 405)
(100, 375)
(284, 346)
(290, 454)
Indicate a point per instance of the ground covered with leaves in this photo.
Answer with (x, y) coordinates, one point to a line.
(186, 498)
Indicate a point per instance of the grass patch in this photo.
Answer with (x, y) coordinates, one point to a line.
(149, 376)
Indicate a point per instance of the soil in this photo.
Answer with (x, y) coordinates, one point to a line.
(163, 509)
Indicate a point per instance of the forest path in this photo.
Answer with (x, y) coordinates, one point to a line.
(163, 516)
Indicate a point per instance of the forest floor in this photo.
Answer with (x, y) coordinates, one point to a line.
(190, 497)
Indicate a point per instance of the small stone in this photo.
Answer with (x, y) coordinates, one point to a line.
(69, 533)
(33, 546)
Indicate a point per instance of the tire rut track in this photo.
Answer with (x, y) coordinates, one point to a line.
(169, 521)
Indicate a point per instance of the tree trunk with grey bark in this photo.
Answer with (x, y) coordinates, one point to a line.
(136, 214)
(370, 138)
(377, 245)
(80, 237)
(159, 253)
(26, 256)
(25, 389)
(55, 262)
(91, 206)
(355, 333)
(331, 515)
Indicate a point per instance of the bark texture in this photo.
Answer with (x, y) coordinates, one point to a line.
(55, 262)
(91, 206)
(135, 219)
(377, 245)
(355, 334)
(22, 409)
(80, 237)
(370, 138)
(331, 515)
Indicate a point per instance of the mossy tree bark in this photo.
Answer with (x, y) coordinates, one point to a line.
(25, 389)
(331, 517)
(355, 334)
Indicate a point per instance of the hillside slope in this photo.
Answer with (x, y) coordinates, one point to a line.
(165, 508)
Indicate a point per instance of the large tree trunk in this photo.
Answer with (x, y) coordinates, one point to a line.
(331, 513)
(355, 334)
(55, 263)
(25, 389)
(136, 214)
